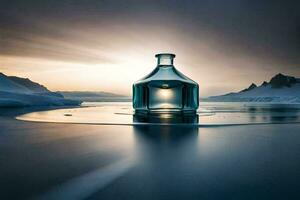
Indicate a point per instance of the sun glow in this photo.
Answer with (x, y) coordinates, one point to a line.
(115, 77)
(165, 93)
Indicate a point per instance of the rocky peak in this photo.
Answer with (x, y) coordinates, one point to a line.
(265, 83)
(280, 80)
(33, 86)
(252, 86)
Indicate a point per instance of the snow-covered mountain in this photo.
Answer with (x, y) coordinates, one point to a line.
(32, 86)
(16, 92)
(280, 89)
(8, 85)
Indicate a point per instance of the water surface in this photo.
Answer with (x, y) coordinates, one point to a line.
(209, 114)
(84, 161)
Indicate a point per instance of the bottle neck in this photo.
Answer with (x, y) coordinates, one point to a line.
(165, 60)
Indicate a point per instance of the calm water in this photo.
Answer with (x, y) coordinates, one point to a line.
(84, 161)
(209, 114)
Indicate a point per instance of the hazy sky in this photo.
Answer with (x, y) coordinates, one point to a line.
(107, 45)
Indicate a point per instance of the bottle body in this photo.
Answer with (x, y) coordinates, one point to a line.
(165, 90)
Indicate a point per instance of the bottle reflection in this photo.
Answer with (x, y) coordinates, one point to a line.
(162, 151)
(166, 118)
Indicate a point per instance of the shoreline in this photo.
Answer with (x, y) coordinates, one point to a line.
(16, 111)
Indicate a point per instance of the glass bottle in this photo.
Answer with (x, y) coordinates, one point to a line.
(165, 90)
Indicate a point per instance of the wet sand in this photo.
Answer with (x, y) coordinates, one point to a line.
(72, 161)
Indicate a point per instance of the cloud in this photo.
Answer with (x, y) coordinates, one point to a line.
(246, 41)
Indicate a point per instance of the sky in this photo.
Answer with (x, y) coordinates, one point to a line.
(104, 45)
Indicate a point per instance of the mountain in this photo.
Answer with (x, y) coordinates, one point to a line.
(10, 86)
(280, 89)
(89, 96)
(280, 81)
(19, 92)
(32, 86)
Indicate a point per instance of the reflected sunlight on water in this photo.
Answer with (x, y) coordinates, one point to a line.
(208, 114)
(72, 161)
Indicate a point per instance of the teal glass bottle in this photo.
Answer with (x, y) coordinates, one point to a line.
(165, 90)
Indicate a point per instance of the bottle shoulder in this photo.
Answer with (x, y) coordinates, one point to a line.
(165, 74)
